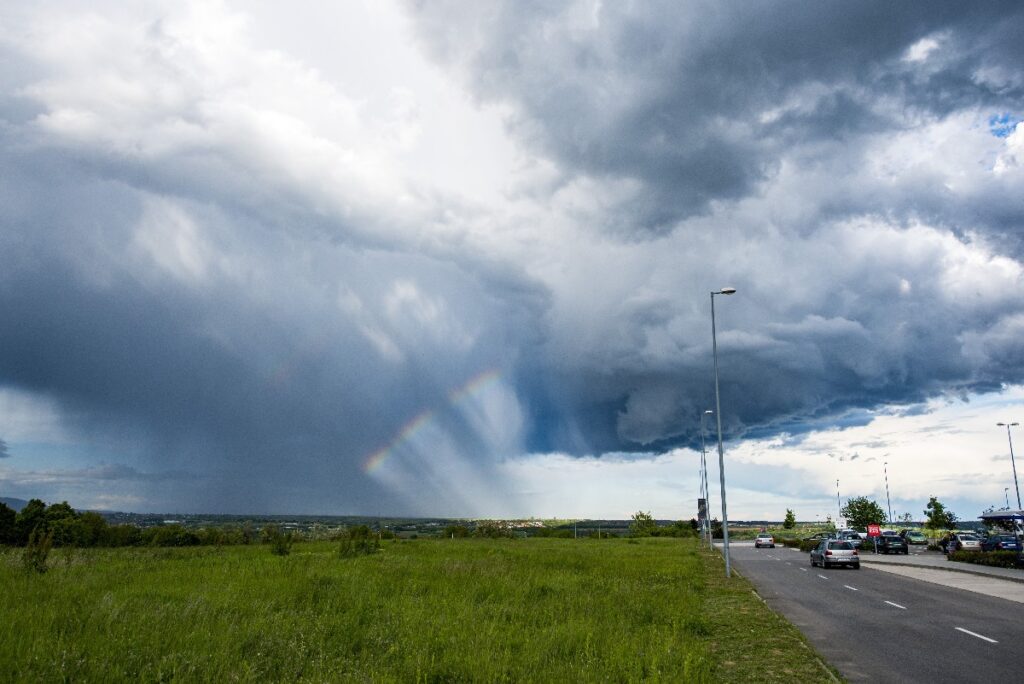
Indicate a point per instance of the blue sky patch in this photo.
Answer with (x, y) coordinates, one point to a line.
(1002, 125)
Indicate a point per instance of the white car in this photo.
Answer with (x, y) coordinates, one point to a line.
(764, 540)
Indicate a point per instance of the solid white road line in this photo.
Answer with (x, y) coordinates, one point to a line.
(851, 588)
(975, 634)
(822, 577)
(896, 605)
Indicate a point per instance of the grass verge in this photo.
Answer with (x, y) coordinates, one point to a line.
(419, 611)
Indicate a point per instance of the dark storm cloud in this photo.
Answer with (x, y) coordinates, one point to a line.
(206, 274)
(4, 452)
(697, 103)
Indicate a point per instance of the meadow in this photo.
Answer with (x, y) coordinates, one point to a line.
(426, 610)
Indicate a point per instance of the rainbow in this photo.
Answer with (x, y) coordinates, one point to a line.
(470, 388)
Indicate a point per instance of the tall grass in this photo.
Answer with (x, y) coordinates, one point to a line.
(423, 611)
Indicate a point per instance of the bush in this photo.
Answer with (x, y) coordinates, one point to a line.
(492, 530)
(456, 531)
(37, 550)
(280, 542)
(358, 541)
(995, 559)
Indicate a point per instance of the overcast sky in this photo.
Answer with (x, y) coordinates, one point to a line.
(455, 258)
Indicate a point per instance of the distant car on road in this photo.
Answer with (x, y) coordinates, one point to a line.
(913, 537)
(835, 552)
(764, 540)
(1001, 542)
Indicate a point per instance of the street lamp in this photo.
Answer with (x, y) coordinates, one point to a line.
(1012, 462)
(704, 476)
(888, 503)
(718, 419)
(839, 506)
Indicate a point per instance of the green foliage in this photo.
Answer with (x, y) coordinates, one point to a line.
(8, 532)
(30, 517)
(996, 559)
(643, 525)
(861, 512)
(488, 529)
(938, 518)
(790, 521)
(456, 532)
(430, 611)
(358, 541)
(37, 550)
(280, 542)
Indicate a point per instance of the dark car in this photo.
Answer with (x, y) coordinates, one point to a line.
(818, 536)
(1001, 542)
(892, 543)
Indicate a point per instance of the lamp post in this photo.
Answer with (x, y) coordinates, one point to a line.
(1012, 462)
(704, 476)
(888, 503)
(718, 419)
(839, 506)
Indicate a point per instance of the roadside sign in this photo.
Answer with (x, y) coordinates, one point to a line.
(874, 531)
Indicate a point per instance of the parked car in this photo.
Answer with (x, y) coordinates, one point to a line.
(818, 536)
(960, 541)
(851, 536)
(835, 552)
(913, 537)
(892, 543)
(764, 539)
(1001, 542)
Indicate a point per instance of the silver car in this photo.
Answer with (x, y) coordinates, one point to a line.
(835, 552)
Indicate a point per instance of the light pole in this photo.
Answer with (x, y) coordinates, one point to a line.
(839, 506)
(1012, 462)
(718, 419)
(704, 476)
(888, 503)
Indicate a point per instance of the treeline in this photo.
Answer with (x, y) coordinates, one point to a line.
(64, 526)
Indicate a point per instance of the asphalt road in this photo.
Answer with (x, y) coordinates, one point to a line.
(879, 627)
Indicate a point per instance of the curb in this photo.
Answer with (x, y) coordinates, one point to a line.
(965, 571)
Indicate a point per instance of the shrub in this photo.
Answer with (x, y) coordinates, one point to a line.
(996, 559)
(492, 530)
(456, 531)
(280, 542)
(37, 550)
(358, 541)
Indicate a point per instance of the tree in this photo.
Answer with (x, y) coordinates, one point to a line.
(938, 517)
(861, 512)
(30, 517)
(7, 529)
(643, 525)
(790, 521)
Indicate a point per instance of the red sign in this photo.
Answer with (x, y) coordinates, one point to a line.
(874, 531)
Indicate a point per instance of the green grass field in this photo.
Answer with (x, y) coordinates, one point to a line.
(537, 610)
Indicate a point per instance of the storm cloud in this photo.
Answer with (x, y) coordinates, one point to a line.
(251, 270)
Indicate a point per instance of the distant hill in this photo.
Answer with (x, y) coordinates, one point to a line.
(16, 504)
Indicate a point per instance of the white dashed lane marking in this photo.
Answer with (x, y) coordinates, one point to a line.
(803, 569)
(896, 605)
(822, 577)
(851, 588)
(975, 634)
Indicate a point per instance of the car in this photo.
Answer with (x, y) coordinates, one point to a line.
(961, 541)
(764, 539)
(1001, 542)
(851, 536)
(891, 543)
(818, 536)
(835, 552)
(913, 537)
